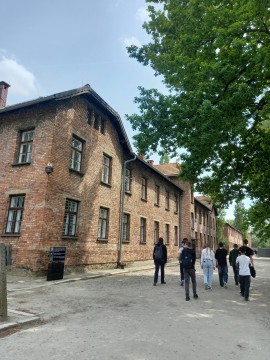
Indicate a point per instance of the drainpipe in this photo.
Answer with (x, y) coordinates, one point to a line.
(119, 253)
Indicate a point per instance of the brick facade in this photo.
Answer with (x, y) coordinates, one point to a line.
(233, 236)
(53, 123)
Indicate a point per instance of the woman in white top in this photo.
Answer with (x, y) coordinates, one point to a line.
(208, 265)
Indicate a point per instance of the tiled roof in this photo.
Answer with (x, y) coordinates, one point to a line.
(171, 169)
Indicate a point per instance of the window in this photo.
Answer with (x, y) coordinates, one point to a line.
(106, 169)
(15, 214)
(192, 220)
(156, 195)
(90, 117)
(167, 200)
(144, 189)
(126, 228)
(156, 231)
(103, 223)
(128, 179)
(176, 235)
(76, 154)
(167, 233)
(70, 218)
(191, 195)
(143, 230)
(26, 145)
(96, 121)
(200, 216)
(176, 204)
(203, 218)
(102, 125)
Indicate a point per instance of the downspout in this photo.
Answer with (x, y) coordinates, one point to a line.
(119, 250)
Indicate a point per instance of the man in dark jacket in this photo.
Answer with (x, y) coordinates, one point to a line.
(188, 258)
(221, 264)
(160, 259)
(232, 260)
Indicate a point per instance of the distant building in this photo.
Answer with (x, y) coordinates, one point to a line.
(233, 236)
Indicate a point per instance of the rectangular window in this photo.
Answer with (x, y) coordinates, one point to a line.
(106, 169)
(103, 224)
(26, 146)
(15, 214)
(143, 230)
(176, 204)
(192, 220)
(176, 235)
(200, 216)
(102, 125)
(156, 195)
(128, 179)
(126, 228)
(167, 233)
(76, 154)
(144, 189)
(167, 200)
(156, 231)
(96, 121)
(70, 218)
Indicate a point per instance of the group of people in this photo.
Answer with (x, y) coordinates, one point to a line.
(241, 260)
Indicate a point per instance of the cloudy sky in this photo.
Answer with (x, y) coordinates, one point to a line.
(57, 45)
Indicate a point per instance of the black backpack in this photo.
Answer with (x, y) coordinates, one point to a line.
(158, 253)
(187, 258)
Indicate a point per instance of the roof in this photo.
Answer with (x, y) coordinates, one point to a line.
(207, 202)
(86, 91)
(172, 169)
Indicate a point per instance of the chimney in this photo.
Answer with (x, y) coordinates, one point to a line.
(3, 93)
(141, 156)
(150, 162)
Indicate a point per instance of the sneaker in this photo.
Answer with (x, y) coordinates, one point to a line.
(236, 284)
(187, 298)
(164, 282)
(196, 296)
(246, 299)
(209, 288)
(155, 284)
(225, 285)
(182, 283)
(206, 286)
(242, 294)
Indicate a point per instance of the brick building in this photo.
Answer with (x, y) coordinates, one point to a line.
(69, 178)
(233, 236)
(198, 212)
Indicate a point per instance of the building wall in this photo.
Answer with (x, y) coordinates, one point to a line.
(233, 236)
(45, 194)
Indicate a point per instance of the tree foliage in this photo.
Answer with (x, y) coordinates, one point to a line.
(214, 57)
(240, 218)
(164, 159)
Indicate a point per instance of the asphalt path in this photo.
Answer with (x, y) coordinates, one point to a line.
(125, 317)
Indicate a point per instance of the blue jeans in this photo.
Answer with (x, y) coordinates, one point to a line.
(223, 274)
(208, 272)
(157, 265)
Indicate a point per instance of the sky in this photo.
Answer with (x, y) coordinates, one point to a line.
(57, 45)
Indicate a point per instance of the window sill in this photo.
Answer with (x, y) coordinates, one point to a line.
(102, 240)
(10, 235)
(167, 209)
(176, 213)
(145, 200)
(76, 172)
(157, 205)
(129, 193)
(142, 242)
(66, 237)
(125, 242)
(105, 184)
(21, 164)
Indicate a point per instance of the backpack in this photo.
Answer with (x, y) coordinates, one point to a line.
(158, 253)
(186, 259)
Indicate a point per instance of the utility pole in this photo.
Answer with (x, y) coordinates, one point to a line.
(3, 283)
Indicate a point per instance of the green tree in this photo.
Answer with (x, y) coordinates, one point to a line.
(164, 159)
(214, 56)
(240, 218)
(220, 227)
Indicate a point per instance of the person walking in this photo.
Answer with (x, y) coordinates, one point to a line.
(244, 273)
(232, 260)
(181, 267)
(208, 265)
(188, 258)
(248, 251)
(221, 264)
(160, 259)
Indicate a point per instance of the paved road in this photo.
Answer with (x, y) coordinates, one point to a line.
(125, 317)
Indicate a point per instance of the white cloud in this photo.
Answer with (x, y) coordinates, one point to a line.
(23, 82)
(132, 40)
(142, 14)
